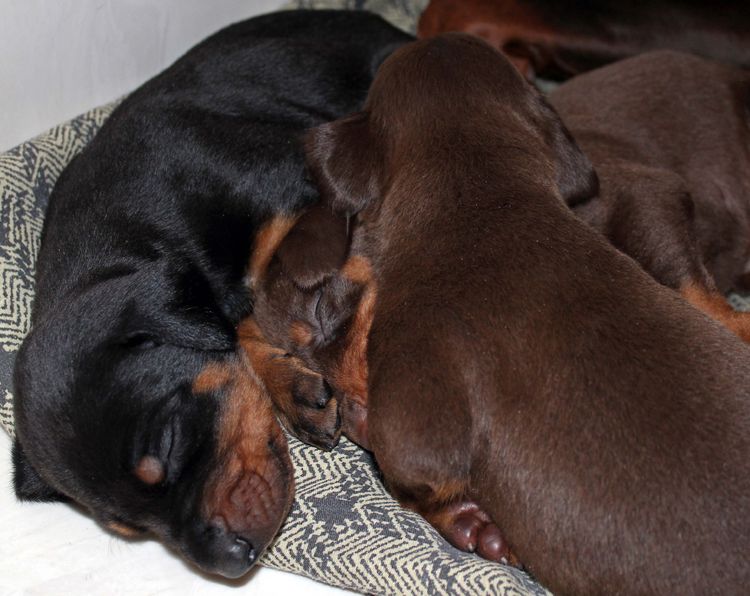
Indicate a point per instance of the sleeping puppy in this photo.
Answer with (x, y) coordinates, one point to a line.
(136, 394)
(556, 39)
(529, 386)
(668, 134)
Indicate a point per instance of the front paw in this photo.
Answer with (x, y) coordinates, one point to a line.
(313, 415)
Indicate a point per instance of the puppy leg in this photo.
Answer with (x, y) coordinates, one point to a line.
(303, 399)
(461, 521)
(420, 426)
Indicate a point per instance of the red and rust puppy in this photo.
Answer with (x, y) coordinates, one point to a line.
(557, 39)
(521, 369)
(143, 391)
(669, 134)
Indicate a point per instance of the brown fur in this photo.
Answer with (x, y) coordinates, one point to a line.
(556, 39)
(674, 170)
(591, 413)
(266, 242)
(301, 396)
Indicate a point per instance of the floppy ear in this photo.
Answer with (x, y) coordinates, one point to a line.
(185, 313)
(195, 329)
(345, 162)
(316, 247)
(28, 484)
(576, 178)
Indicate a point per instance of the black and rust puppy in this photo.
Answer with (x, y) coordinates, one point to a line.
(558, 39)
(132, 396)
(669, 137)
(525, 377)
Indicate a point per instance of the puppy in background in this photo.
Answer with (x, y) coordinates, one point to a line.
(669, 137)
(508, 391)
(554, 39)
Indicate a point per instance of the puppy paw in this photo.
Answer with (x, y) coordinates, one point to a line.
(470, 529)
(312, 414)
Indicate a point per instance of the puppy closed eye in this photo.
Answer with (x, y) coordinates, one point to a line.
(160, 459)
(139, 340)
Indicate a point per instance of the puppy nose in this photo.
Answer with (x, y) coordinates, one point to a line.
(232, 555)
(240, 556)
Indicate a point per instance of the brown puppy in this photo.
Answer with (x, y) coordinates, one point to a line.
(669, 135)
(556, 39)
(520, 367)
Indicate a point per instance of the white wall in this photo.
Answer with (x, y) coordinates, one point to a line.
(59, 58)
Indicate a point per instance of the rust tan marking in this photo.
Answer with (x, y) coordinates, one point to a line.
(715, 305)
(123, 530)
(281, 374)
(150, 470)
(213, 377)
(267, 241)
(350, 374)
(358, 269)
(251, 492)
(300, 333)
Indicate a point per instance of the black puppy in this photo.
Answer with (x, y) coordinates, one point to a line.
(134, 396)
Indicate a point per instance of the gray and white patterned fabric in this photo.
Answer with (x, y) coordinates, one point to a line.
(344, 529)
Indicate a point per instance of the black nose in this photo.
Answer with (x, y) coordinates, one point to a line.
(219, 550)
(238, 558)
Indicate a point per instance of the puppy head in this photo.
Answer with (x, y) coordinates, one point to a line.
(142, 411)
(453, 86)
(299, 301)
(302, 302)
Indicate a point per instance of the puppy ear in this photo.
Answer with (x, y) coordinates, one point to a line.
(27, 483)
(576, 178)
(195, 329)
(345, 162)
(316, 247)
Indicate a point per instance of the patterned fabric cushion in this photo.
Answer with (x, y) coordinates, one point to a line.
(344, 529)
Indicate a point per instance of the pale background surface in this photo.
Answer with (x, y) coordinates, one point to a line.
(59, 58)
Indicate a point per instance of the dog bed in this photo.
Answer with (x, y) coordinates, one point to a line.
(344, 529)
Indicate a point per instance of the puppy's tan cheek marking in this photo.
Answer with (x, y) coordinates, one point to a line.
(300, 333)
(213, 377)
(267, 241)
(123, 530)
(358, 269)
(248, 427)
(149, 470)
